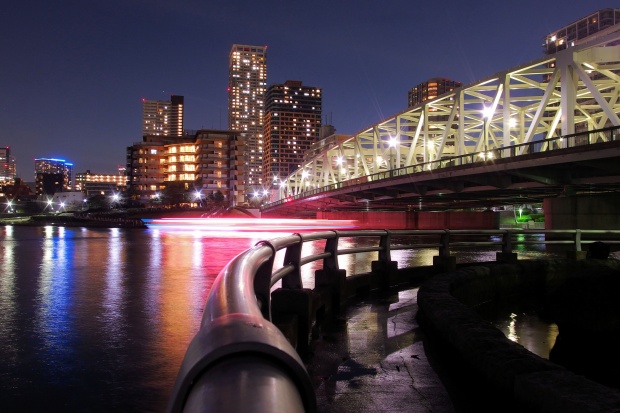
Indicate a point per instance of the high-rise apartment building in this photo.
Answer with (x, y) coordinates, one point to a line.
(7, 165)
(52, 175)
(292, 125)
(163, 117)
(247, 83)
(430, 90)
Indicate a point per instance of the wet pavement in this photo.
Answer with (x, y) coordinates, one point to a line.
(376, 358)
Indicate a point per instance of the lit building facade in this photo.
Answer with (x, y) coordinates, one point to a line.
(145, 168)
(7, 165)
(163, 117)
(292, 125)
(206, 161)
(220, 164)
(247, 83)
(100, 184)
(430, 90)
(52, 175)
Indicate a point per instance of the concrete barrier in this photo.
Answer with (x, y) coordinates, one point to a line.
(445, 309)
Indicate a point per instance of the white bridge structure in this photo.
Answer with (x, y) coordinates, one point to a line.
(574, 90)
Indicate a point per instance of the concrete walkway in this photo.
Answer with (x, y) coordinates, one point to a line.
(376, 358)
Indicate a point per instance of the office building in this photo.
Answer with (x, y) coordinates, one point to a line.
(247, 83)
(431, 89)
(52, 175)
(163, 117)
(292, 126)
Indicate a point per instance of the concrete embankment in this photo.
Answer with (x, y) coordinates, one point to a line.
(445, 307)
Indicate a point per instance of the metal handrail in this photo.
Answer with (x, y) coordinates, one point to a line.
(237, 340)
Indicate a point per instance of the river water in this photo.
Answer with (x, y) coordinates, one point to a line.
(98, 320)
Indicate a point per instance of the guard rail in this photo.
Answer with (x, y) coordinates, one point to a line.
(240, 361)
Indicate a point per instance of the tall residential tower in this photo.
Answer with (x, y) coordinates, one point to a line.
(292, 125)
(163, 117)
(247, 82)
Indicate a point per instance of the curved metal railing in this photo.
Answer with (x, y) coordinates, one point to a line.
(240, 361)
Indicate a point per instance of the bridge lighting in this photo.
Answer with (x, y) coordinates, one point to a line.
(486, 114)
(512, 122)
(339, 160)
(304, 174)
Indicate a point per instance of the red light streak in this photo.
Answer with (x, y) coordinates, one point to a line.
(250, 224)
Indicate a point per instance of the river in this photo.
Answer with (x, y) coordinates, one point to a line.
(99, 319)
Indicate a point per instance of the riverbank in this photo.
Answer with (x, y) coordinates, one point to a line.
(130, 218)
(72, 220)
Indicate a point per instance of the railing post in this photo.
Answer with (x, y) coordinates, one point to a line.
(577, 253)
(385, 269)
(292, 256)
(444, 262)
(294, 307)
(506, 255)
(331, 276)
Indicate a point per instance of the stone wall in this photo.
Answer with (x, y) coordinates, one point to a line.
(445, 308)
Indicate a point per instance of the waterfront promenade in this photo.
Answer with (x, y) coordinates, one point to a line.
(377, 358)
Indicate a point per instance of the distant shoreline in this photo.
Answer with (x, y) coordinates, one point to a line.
(104, 219)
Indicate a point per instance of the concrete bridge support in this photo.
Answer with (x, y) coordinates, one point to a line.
(583, 212)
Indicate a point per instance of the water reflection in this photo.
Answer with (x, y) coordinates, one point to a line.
(102, 317)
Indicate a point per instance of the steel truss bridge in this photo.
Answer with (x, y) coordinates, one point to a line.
(547, 127)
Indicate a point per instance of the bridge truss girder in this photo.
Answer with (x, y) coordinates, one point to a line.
(578, 87)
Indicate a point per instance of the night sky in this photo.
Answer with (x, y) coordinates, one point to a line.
(73, 73)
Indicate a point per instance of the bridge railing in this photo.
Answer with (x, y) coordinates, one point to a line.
(509, 152)
(239, 360)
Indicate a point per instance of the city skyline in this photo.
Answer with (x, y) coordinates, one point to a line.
(74, 75)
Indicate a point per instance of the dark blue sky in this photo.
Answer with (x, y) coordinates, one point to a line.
(73, 73)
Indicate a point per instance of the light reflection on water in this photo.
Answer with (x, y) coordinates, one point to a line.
(99, 319)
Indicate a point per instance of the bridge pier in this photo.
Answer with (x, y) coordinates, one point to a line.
(583, 212)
